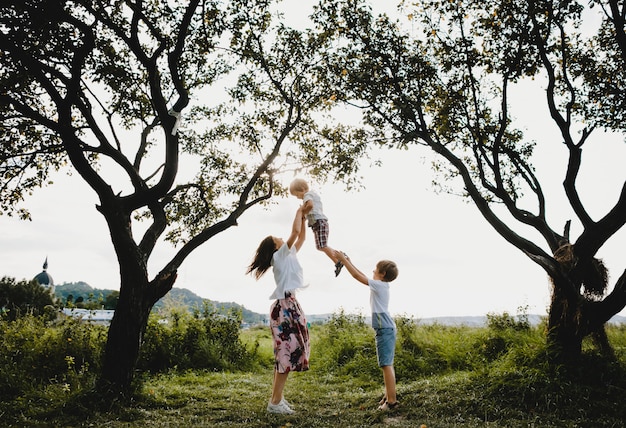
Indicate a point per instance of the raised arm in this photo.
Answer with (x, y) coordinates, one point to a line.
(307, 206)
(298, 230)
(356, 274)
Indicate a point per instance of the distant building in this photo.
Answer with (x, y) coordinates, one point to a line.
(94, 316)
(45, 279)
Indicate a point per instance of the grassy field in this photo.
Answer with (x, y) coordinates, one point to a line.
(200, 399)
(447, 377)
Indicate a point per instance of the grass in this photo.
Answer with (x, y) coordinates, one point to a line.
(447, 377)
(204, 399)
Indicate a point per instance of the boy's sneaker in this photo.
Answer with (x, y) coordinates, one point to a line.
(280, 408)
(338, 267)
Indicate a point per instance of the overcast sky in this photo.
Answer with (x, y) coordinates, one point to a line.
(451, 261)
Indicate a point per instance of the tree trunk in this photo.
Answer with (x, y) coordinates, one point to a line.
(124, 339)
(575, 314)
(571, 319)
(565, 335)
(133, 307)
(565, 320)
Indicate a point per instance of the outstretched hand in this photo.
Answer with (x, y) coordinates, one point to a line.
(341, 256)
(356, 274)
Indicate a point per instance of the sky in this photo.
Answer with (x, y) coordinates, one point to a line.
(451, 262)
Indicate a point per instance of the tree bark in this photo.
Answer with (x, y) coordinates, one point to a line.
(564, 338)
(123, 343)
(572, 317)
(137, 297)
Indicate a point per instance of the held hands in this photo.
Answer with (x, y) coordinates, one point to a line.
(356, 274)
(341, 256)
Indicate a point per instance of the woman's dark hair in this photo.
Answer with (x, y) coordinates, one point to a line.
(263, 258)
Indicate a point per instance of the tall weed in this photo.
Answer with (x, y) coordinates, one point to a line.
(346, 345)
(424, 350)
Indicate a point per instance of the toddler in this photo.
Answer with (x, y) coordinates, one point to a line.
(313, 209)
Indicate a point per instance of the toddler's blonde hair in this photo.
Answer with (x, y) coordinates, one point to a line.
(299, 184)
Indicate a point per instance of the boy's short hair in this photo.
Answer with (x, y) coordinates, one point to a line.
(388, 269)
(299, 184)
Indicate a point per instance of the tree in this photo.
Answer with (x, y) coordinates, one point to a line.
(445, 85)
(23, 297)
(177, 114)
(110, 301)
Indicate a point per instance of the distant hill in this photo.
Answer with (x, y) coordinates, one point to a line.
(77, 289)
(83, 292)
(184, 297)
(176, 297)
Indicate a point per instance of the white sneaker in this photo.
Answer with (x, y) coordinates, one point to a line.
(282, 400)
(281, 408)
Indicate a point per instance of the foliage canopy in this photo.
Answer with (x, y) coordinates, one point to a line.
(445, 80)
(181, 114)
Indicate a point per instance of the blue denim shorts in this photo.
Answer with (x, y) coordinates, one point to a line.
(385, 346)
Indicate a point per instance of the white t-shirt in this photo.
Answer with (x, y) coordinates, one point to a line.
(317, 213)
(287, 271)
(379, 301)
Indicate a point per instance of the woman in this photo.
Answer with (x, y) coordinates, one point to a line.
(289, 327)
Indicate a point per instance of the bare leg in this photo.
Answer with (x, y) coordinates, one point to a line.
(330, 253)
(389, 377)
(277, 386)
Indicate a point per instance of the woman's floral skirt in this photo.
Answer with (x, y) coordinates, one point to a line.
(290, 334)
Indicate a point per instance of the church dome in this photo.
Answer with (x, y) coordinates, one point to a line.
(44, 277)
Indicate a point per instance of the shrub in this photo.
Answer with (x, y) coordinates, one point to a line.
(202, 339)
(503, 332)
(345, 345)
(35, 352)
(524, 380)
(424, 350)
(504, 321)
(22, 298)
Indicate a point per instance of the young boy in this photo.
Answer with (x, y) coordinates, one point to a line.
(385, 272)
(313, 209)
